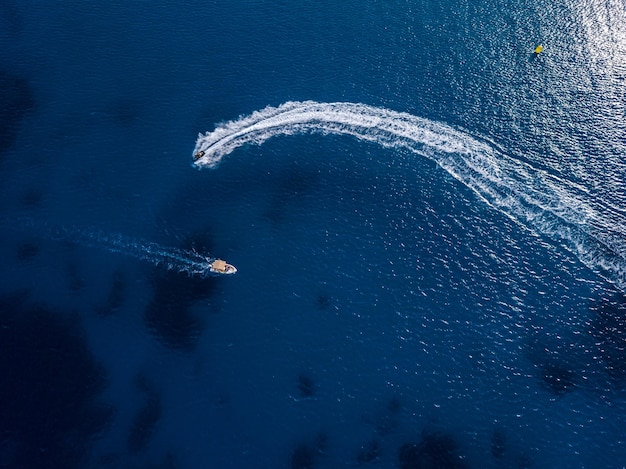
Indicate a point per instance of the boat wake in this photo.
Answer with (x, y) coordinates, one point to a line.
(539, 200)
(188, 262)
(183, 261)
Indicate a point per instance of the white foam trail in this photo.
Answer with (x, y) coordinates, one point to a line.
(184, 261)
(543, 202)
(189, 262)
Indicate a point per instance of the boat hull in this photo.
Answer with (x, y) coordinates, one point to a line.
(222, 268)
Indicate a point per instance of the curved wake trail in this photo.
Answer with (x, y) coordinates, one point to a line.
(542, 202)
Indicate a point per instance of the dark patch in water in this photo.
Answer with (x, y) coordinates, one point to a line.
(608, 329)
(321, 442)
(31, 198)
(27, 251)
(222, 399)
(146, 419)
(16, 100)
(435, 451)
(369, 452)
(305, 455)
(50, 388)
(117, 295)
(385, 421)
(553, 362)
(168, 315)
(126, 112)
(498, 443)
(394, 405)
(322, 302)
(557, 377)
(306, 385)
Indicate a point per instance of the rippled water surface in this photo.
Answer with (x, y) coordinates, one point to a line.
(427, 221)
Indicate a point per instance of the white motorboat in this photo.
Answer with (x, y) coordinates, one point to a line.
(218, 266)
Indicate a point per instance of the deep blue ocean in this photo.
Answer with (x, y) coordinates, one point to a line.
(428, 222)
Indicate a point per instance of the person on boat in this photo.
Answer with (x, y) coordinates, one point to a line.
(198, 155)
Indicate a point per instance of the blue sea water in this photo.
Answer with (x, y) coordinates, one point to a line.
(432, 276)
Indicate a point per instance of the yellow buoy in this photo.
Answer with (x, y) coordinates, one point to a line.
(538, 49)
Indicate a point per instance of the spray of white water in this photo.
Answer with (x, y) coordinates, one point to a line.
(546, 204)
